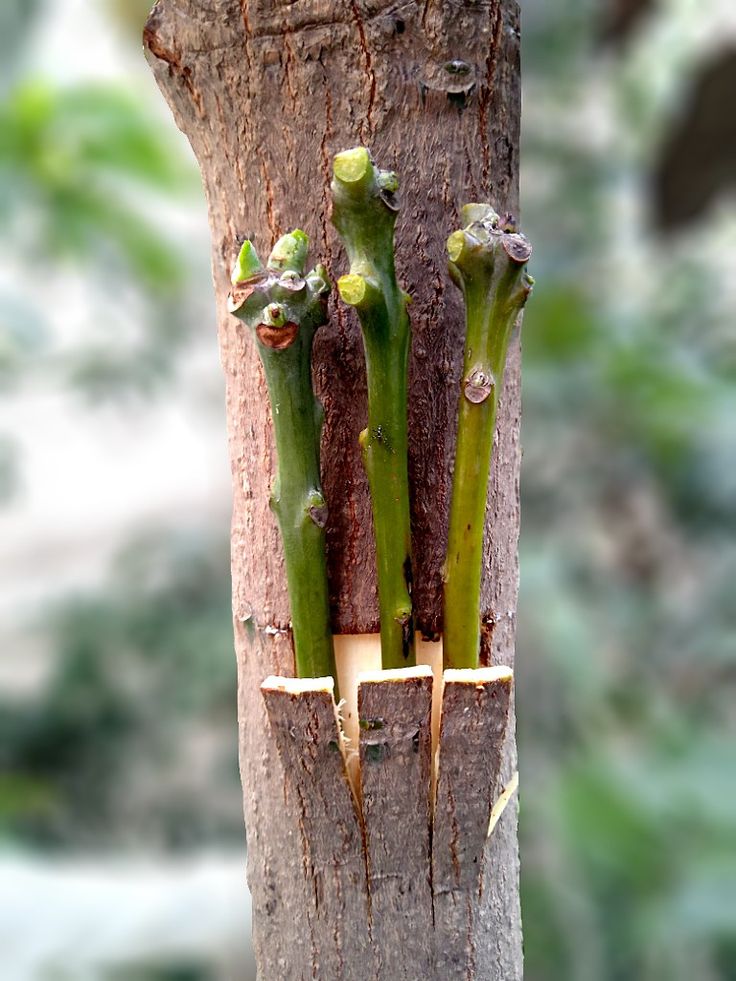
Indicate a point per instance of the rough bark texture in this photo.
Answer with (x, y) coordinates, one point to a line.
(267, 91)
(475, 711)
(395, 771)
(398, 885)
(316, 789)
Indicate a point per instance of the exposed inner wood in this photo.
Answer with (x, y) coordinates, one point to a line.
(360, 654)
(355, 654)
(430, 653)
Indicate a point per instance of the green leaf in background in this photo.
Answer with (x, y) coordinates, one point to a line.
(77, 167)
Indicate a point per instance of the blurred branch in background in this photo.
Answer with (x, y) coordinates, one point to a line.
(622, 17)
(697, 164)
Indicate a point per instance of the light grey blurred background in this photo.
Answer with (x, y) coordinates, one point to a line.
(121, 841)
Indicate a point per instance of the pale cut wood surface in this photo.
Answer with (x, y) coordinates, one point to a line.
(267, 91)
(475, 712)
(395, 712)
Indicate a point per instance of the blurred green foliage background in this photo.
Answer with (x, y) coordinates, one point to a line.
(117, 706)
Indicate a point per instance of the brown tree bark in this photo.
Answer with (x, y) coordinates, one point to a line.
(395, 773)
(267, 91)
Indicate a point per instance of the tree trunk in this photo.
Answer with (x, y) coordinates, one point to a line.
(267, 91)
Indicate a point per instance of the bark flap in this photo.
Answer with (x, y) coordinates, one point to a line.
(393, 849)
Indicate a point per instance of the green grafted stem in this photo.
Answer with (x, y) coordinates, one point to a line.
(364, 213)
(284, 307)
(488, 260)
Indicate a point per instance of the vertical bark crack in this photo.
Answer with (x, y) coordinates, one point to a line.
(486, 93)
(268, 193)
(368, 59)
